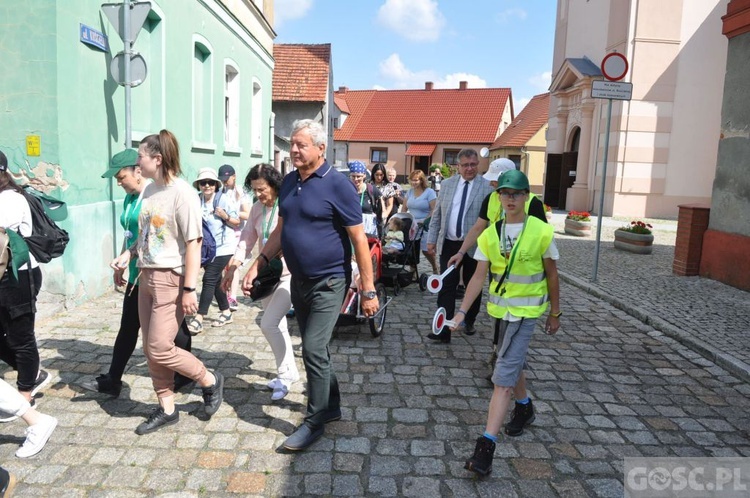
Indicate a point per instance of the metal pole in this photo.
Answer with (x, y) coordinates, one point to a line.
(601, 197)
(126, 6)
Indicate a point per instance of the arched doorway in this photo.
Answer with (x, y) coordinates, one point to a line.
(561, 171)
(569, 165)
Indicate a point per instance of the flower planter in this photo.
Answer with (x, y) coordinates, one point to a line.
(637, 243)
(577, 228)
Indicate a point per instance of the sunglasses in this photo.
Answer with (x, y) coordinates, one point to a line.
(207, 183)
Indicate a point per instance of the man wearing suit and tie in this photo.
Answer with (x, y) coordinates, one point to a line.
(458, 208)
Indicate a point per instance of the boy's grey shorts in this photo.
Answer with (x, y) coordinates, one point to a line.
(512, 355)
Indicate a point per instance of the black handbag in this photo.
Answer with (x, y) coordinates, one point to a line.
(267, 280)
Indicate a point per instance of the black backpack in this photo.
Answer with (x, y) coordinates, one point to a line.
(47, 240)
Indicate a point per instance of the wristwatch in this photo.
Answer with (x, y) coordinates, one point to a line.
(188, 289)
(369, 294)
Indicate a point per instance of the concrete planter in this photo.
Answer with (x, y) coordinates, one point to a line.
(577, 228)
(637, 243)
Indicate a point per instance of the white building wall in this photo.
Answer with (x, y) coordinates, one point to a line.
(698, 95)
(664, 142)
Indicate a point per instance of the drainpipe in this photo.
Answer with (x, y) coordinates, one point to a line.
(271, 133)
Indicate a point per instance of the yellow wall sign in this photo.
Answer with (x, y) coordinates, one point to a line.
(33, 145)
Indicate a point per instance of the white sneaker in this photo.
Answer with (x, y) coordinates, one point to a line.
(272, 383)
(37, 436)
(280, 391)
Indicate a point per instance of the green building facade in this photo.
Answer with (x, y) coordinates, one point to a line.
(62, 115)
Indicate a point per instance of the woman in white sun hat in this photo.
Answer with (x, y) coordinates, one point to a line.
(220, 216)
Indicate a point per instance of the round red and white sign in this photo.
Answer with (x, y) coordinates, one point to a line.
(614, 66)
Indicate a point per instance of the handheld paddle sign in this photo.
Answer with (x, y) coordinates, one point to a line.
(435, 282)
(439, 321)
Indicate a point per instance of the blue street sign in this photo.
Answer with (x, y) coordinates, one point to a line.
(95, 38)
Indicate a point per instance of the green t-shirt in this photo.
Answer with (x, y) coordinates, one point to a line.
(131, 208)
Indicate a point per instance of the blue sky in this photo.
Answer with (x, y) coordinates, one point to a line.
(393, 44)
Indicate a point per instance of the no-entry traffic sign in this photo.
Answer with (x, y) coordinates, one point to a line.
(614, 66)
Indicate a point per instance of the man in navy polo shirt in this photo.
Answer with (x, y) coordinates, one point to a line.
(320, 220)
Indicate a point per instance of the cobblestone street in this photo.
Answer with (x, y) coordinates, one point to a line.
(607, 386)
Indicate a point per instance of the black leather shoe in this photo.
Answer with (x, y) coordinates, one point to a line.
(469, 329)
(444, 338)
(214, 395)
(157, 420)
(303, 437)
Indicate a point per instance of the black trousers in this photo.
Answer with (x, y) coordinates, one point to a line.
(17, 312)
(211, 287)
(127, 336)
(447, 295)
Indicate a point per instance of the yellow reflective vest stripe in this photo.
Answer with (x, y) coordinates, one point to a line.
(495, 208)
(524, 291)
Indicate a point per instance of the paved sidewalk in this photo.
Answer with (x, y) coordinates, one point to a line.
(607, 386)
(708, 316)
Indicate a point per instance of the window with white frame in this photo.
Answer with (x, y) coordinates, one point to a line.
(202, 91)
(231, 106)
(256, 121)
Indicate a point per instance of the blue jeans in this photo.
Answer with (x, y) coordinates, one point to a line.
(316, 305)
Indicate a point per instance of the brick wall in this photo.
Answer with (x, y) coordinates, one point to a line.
(691, 225)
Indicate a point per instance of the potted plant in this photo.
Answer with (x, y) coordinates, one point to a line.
(548, 212)
(636, 238)
(578, 223)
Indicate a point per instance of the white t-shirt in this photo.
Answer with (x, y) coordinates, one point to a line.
(170, 217)
(512, 231)
(15, 214)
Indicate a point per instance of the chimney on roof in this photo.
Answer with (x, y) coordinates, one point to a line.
(428, 85)
(343, 89)
(462, 85)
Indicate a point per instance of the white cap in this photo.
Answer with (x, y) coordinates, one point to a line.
(498, 167)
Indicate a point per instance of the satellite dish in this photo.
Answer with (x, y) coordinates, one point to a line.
(484, 152)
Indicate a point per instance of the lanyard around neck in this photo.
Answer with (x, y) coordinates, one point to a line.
(513, 252)
(130, 209)
(267, 228)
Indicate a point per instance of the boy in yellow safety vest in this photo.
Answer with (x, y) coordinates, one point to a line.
(520, 253)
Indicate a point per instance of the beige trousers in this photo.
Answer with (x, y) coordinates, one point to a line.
(160, 311)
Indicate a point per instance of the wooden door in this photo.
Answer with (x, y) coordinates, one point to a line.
(552, 180)
(567, 176)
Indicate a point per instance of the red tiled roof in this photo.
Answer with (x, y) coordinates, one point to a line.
(301, 72)
(434, 116)
(420, 149)
(341, 104)
(526, 124)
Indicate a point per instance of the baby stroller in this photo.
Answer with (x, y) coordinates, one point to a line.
(351, 311)
(402, 268)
